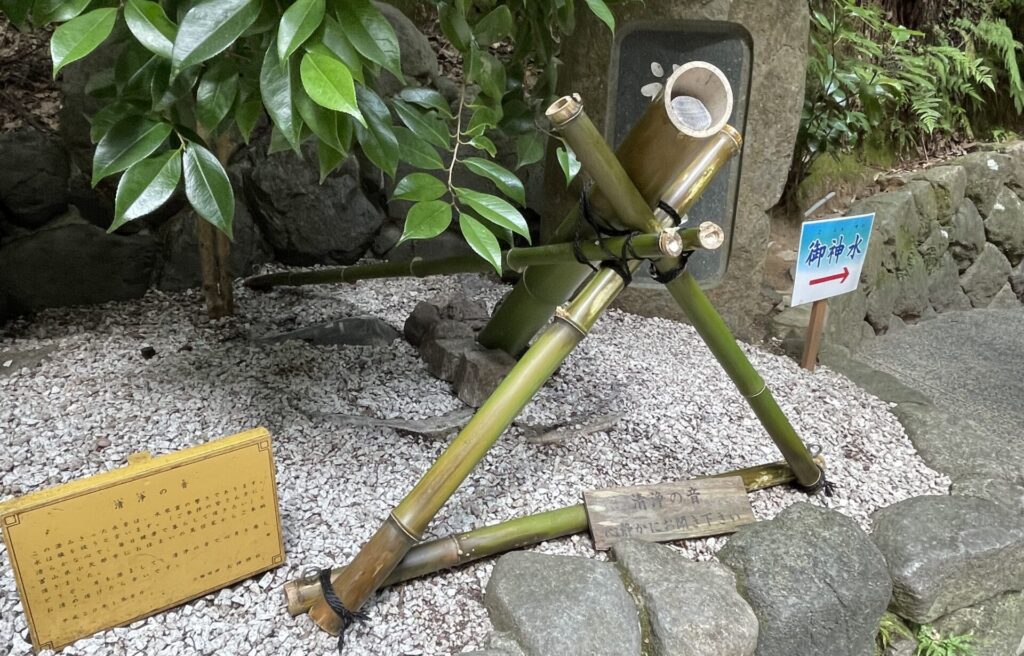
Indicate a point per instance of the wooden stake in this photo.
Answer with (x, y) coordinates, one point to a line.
(812, 342)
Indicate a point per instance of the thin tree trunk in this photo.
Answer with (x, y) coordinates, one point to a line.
(215, 256)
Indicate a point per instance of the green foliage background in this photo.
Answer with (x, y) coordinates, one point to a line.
(193, 77)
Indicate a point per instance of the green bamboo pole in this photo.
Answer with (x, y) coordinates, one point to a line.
(467, 547)
(405, 526)
(513, 260)
(598, 160)
(672, 157)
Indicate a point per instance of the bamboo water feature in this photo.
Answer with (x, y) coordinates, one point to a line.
(662, 168)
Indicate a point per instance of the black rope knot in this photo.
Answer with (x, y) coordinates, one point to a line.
(618, 262)
(348, 618)
(673, 273)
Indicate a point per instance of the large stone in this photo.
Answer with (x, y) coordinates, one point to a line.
(693, 608)
(1005, 299)
(1017, 281)
(350, 331)
(307, 222)
(1005, 491)
(180, 267)
(896, 215)
(1004, 225)
(846, 314)
(935, 245)
(419, 62)
(792, 318)
(480, 373)
(912, 298)
(950, 184)
(881, 301)
(72, 262)
(562, 605)
(421, 322)
(944, 292)
(815, 581)
(966, 235)
(996, 625)
(778, 30)
(444, 357)
(33, 178)
(925, 199)
(987, 172)
(986, 276)
(949, 552)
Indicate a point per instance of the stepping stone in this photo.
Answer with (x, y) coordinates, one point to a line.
(1008, 492)
(996, 625)
(693, 608)
(562, 605)
(479, 375)
(816, 582)
(949, 552)
(443, 357)
(352, 331)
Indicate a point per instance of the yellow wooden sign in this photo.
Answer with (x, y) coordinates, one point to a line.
(119, 546)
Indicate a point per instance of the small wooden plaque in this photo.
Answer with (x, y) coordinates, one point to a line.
(668, 511)
(119, 546)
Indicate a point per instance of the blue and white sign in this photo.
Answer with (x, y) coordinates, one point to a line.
(830, 257)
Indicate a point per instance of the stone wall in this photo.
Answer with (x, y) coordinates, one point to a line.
(950, 237)
(779, 29)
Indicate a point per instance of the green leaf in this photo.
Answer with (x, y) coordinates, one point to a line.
(486, 70)
(427, 126)
(276, 91)
(329, 158)
(496, 210)
(247, 113)
(209, 28)
(530, 148)
(217, 91)
(495, 26)
(570, 165)
(484, 118)
(146, 186)
(208, 188)
(80, 36)
(483, 143)
(481, 240)
(151, 26)
(416, 151)
(371, 34)
(426, 220)
(17, 11)
(428, 99)
(297, 24)
(105, 118)
(329, 83)
(334, 39)
(130, 140)
(378, 139)
(322, 121)
(602, 11)
(419, 187)
(56, 11)
(504, 179)
(455, 27)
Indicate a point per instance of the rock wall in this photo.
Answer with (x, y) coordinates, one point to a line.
(947, 238)
(780, 30)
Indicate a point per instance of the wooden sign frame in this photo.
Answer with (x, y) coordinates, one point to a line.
(120, 546)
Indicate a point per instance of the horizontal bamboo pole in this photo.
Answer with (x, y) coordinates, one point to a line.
(463, 548)
(649, 246)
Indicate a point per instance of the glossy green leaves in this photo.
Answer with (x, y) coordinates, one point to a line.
(370, 33)
(297, 24)
(329, 83)
(80, 36)
(495, 210)
(150, 26)
(427, 219)
(481, 240)
(276, 91)
(419, 187)
(208, 188)
(504, 179)
(216, 94)
(146, 186)
(209, 28)
(569, 164)
(128, 141)
(602, 11)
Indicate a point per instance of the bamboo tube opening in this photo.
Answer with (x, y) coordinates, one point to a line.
(711, 235)
(706, 84)
(564, 109)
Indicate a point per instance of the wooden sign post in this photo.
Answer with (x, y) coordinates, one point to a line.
(668, 511)
(119, 546)
(829, 261)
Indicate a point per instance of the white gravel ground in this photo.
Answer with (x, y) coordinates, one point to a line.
(96, 400)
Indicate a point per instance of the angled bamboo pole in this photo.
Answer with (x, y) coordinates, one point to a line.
(470, 546)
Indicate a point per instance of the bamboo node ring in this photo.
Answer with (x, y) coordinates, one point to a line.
(404, 529)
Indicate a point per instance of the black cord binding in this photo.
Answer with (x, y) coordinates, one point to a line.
(672, 213)
(675, 272)
(348, 618)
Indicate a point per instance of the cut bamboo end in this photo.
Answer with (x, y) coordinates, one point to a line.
(711, 236)
(705, 83)
(564, 110)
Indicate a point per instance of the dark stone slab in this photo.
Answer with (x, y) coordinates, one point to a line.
(352, 331)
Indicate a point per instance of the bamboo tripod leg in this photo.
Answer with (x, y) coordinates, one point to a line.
(374, 563)
(719, 339)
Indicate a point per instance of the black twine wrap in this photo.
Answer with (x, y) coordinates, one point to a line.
(672, 213)
(617, 262)
(673, 273)
(348, 618)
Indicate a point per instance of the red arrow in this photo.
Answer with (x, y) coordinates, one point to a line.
(841, 277)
